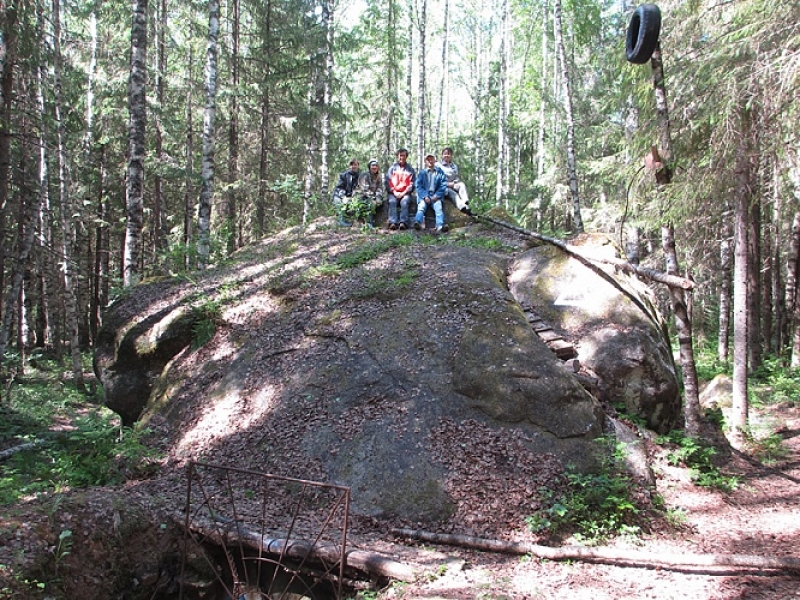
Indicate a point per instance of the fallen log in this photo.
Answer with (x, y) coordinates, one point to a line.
(610, 556)
(622, 265)
(369, 563)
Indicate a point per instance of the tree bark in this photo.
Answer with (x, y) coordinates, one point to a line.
(723, 338)
(742, 265)
(209, 139)
(70, 298)
(792, 265)
(325, 117)
(422, 20)
(188, 192)
(501, 188)
(159, 206)
(8, 57)
(443, 110)
(231, 216)
(683, 322)
(577, 220)
(755, 341)
(137, 108)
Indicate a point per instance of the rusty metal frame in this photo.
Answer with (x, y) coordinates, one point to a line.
(214, 495)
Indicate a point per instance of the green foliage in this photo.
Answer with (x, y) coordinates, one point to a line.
(769, 449)
(698, 456)
(596, 506)
(365, 252)
(779, 383)
(707, 363)
(91, 450)
(208, 315)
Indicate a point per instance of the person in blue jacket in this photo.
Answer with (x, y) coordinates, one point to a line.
(431, 188)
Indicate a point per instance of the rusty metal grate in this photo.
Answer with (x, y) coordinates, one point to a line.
(281, 537)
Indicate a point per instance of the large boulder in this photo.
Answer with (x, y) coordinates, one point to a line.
(611, 318)
(399, 365)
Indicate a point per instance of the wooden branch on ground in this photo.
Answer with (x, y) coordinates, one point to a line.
(9, 452)
(364, 561)
(608, 555)
(623, 265)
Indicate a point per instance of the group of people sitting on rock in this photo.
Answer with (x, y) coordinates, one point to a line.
(358, 195)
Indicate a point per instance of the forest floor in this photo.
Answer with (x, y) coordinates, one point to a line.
(761, 517)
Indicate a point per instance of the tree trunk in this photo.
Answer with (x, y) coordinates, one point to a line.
(577, 220)
(325, 117)
(8, 56)
(137, 108)
(159, 206)
(188, 192)
(437, 136)
(209, 139)
(393, 76)
(537, 217)
(740, 287)
(776, 293)
(231, 216)
(65, 210)
(755, 339)
(409, 86)
(422, 16)
(501, 189)
(723, 338)
(792, 269)
(691, 391)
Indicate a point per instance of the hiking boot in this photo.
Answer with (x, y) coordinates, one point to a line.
(443, 229)
(417, 225)
(402, 226)
(342, 223)
(391, 226)
(467, 211)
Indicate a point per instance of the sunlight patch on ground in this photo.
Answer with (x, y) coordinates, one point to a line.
(225, 415)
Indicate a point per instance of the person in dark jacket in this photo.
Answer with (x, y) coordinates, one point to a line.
(431, 188)
(343, 200)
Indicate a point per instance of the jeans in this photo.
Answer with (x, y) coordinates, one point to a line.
(404, 202)
(437, 209)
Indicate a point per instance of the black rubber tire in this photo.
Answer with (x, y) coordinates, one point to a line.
(643, 32)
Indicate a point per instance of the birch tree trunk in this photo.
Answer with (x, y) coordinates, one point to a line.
(137, 109)
(188, 192)
(325, 117)
(577, 220)
(159, 207)
(422, 18)
(437, 136)
(776, 250)
(691, 409)
(742, 266)
(393, 76)
(537, 217)
(65, 209)
(501, 189)
(231, 213)
(209, 139)
(409, 86)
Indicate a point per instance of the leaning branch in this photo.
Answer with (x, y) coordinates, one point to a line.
(622, 265)
(610, 556)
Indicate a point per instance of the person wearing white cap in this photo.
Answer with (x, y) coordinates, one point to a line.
(431, 187)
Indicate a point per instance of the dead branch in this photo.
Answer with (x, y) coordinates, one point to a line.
(369, 563)
(622, 265)
(608, 555)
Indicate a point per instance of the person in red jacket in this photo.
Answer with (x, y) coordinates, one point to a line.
(400, 185)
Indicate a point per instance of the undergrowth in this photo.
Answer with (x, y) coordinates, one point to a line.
(593, 506)
(699, 457)
(73, 441)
